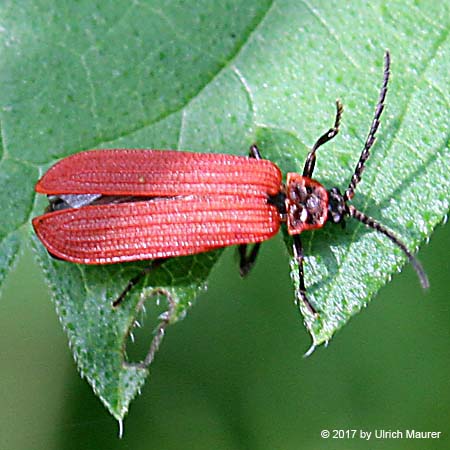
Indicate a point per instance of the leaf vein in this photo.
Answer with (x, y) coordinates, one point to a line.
(332, 33)
(170, 112)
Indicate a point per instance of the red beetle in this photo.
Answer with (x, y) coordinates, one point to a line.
(110, 206)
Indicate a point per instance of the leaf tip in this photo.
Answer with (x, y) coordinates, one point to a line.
(120, 423)
(310, 351)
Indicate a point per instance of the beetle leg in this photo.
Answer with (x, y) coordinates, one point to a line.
(254, 152)
(136, 279)
(247, 261)
(298, 255)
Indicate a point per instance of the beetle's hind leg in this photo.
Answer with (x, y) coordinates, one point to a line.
(154, 264)
(247, 260)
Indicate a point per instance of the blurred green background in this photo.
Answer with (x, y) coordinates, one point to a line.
(232, 376)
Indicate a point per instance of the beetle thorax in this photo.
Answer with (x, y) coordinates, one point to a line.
(306, 204)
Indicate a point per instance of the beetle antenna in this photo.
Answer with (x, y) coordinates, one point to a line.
(356, 178)
(372, 223)
(330, 134)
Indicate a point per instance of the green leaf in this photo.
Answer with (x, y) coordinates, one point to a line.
(98, 333)
(217, 76)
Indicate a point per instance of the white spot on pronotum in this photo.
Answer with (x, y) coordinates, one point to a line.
(304, 215)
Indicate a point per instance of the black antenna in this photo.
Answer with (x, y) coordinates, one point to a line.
(356, 178)
(372, 223)
(330, 134)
